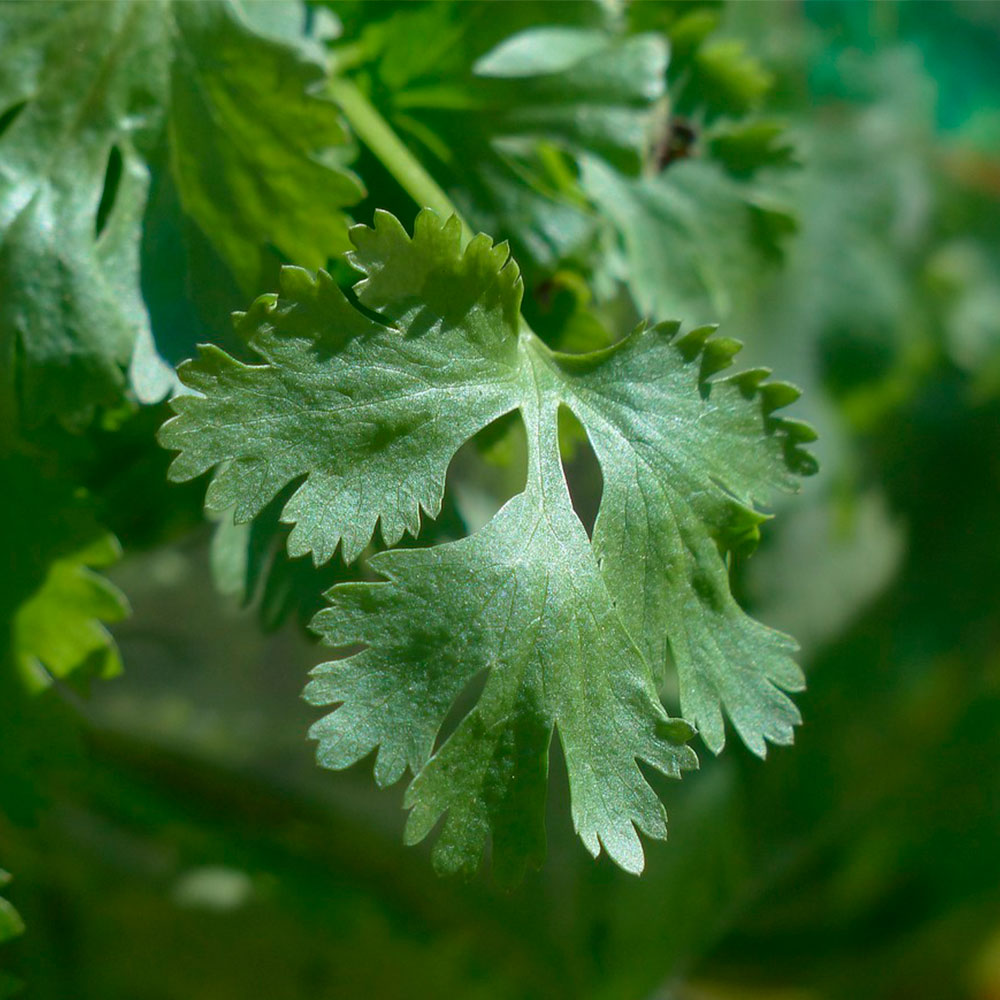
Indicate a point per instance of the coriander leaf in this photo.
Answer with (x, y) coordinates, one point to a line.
(66, 328)
(725, 79)
(258, 156)
(745, 147)
(11, 924)
(524, 600)
(694, 241)
(92, 91)
(708, 77)
(541, 51)
(586, 88)
(366, 410)
(684, 461)
(59, 630)
(696, 237)
(369, 414)
(52, 601)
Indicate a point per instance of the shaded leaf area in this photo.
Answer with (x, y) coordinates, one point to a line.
(250, 562)
(365, 411)
(97, 90)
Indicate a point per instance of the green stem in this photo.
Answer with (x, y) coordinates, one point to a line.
(376, 133)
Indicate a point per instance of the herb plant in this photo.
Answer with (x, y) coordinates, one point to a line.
(240, 138)
(478, 451)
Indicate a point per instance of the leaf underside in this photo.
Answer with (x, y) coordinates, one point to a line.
(363, 411)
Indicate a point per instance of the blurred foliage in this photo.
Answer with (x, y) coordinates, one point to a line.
(169, 834)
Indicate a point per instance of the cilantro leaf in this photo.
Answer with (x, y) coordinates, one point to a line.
(695, 234)
(90, 92)
(258, 157)
(694, 241)
(11, 924)
(365, 411)
(725, 79)
(528, 604)
(52, 601)
(60, 629)
(401, 405)
(745, 147)
(682, 472)
(708, 76)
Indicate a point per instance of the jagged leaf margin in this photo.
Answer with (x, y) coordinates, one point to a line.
(365, 412)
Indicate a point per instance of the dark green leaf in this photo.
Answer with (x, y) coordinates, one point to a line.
(257, 160)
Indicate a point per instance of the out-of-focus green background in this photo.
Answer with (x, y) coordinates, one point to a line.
(182, 844)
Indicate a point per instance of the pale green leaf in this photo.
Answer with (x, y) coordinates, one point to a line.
(365, 412)
(370, 420)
